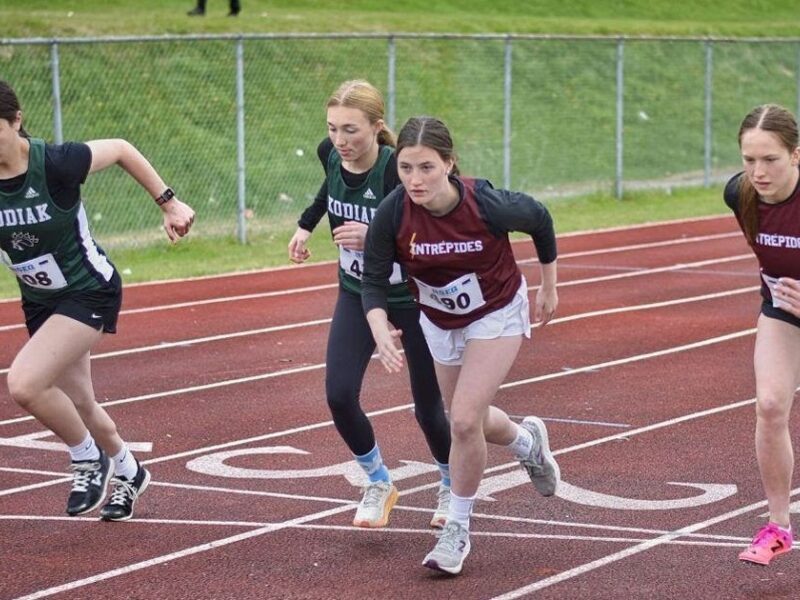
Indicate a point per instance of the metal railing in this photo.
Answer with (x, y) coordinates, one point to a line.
(233, 121)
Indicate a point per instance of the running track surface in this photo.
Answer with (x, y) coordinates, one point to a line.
(644, 379)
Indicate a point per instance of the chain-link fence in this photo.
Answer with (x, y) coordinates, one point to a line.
(233, 122)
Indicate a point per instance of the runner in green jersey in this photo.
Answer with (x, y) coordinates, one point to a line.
(360, 170)
(71, 295)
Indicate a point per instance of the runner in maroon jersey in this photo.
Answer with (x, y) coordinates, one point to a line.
(450, 234)
(766, 201)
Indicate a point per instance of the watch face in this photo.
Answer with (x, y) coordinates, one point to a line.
(168, 195)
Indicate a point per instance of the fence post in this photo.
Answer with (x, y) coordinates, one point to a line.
(708, 113)
(507, 116)
(58, 132)
(390, 83)
(620, 107)
(240, 165)
(797, 113)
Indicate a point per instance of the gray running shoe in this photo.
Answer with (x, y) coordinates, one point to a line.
(542, 468)
(450, 551)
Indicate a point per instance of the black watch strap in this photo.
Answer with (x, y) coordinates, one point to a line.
(168, 195)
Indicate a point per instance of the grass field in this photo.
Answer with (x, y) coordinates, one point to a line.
(175, 101)
(655, 17)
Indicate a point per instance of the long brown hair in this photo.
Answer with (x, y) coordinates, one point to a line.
(361, 94)
(431, 133)
(9, 106)
(781, 122)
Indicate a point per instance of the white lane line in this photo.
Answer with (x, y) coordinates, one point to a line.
(403, 407)
(302, 497)
(218, 300)
(647, 545)
(288, 292)
(219, 543)
(293, 371)
(649, 271)
(662, 539)
(576, 422)
(303, 324)
(642, 246)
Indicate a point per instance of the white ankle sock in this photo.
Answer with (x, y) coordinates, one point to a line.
(125, 464)
(522, 444)
(86, 450)
(460, 509)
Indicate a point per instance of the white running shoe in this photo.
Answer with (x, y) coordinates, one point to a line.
(450, 551)
(374, 508)
(442, 506)
(542, 468)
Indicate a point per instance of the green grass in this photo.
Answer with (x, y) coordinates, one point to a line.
(176, 102)
(656, 17)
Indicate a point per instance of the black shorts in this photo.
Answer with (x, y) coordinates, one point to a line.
(776, 313)
(98, 309)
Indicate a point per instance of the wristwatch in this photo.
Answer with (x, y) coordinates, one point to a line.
(166, 196)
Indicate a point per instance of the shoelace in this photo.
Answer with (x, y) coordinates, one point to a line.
(372, 496)
(443, 497)
(82, 473)
(449, 538)
(535, 459)
(123, 492)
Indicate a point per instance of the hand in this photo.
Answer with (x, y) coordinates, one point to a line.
(546, 303)
(298, 253)
(389, 354)
(351, 235)
(787, 291)
(178, 219)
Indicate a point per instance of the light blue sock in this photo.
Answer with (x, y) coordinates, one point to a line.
(444, 471)
(373, 466)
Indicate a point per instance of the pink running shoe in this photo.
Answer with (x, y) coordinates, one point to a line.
(769, 542)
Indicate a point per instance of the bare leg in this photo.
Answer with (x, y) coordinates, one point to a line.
(777, 368)
(52, 352)
(473, 421)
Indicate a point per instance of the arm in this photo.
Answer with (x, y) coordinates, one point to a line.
(507, 211)
(546, 295)
(178, 217)
(379, 255)
(298, 253)
(787, 291)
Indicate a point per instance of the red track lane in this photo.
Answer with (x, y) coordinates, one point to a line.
(303, 561)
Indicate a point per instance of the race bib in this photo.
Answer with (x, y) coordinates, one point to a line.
(771, 282)
(458, 297)
(41, 272)
(352, 262)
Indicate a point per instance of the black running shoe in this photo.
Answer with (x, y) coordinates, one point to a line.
(124, 496)
(89, 481)
(196, 12)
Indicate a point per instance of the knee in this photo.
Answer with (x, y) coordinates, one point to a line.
(23, 387)
(772, 408)
(465, 427)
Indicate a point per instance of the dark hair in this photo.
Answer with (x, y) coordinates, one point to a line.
(361, 94)
(775, 119)
(431, 133)
(9, 105)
